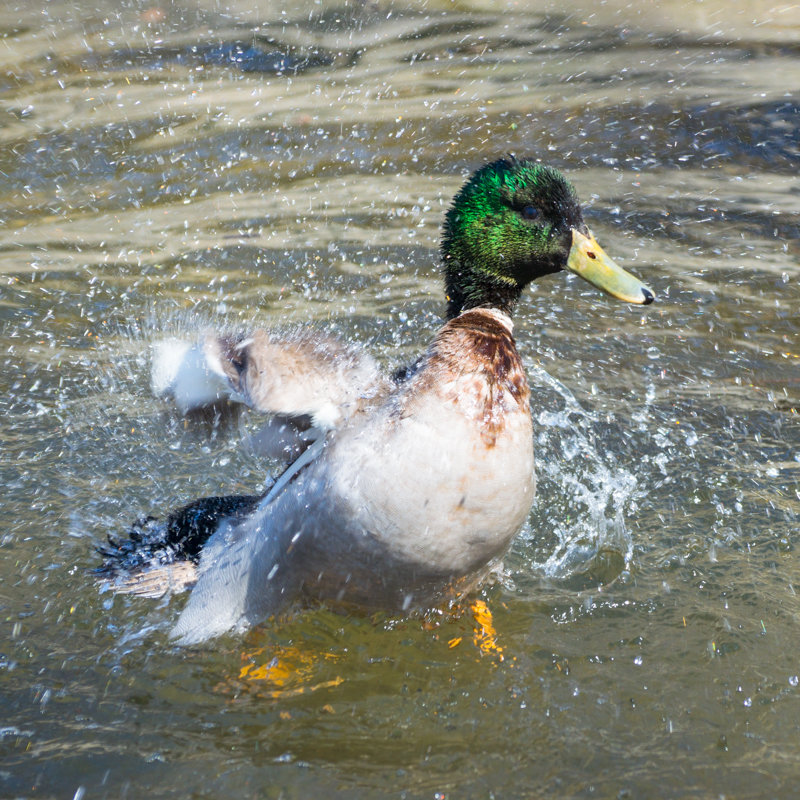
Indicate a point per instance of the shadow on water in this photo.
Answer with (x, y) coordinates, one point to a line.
(163, 169)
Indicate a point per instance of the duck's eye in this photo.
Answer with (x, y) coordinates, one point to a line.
(530, 212)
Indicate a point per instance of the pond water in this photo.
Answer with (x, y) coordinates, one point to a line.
(165, 167)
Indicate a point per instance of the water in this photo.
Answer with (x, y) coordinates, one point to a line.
(157, 175)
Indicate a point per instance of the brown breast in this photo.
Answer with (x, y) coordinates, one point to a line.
(475, 363)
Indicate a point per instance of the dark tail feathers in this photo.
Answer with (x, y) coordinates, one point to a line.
(179, 537)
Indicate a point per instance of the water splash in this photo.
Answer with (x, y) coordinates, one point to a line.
(578, 528)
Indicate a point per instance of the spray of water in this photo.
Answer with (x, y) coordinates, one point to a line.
(578, 528)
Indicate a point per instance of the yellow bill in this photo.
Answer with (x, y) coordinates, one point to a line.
(589, 260)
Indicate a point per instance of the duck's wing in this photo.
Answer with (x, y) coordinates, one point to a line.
(297, 375)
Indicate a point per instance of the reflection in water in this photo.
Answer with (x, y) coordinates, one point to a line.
(648, 614)
(287, 672)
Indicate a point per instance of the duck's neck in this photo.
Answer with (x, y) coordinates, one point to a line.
(468, 286)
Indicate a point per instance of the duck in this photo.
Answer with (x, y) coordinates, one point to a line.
(400, 491)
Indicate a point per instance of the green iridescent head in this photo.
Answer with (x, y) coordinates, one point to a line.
(514, 221)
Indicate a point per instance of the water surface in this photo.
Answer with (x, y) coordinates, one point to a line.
(166, 168)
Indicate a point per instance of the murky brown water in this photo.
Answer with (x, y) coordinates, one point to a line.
(157, 174)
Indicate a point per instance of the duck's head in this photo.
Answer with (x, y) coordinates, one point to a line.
(514, 221)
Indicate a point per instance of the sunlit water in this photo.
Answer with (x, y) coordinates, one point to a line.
(158, 174)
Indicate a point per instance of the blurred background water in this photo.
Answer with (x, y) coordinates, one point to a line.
(168, 166)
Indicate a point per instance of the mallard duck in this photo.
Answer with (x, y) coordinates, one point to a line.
(405, 489)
